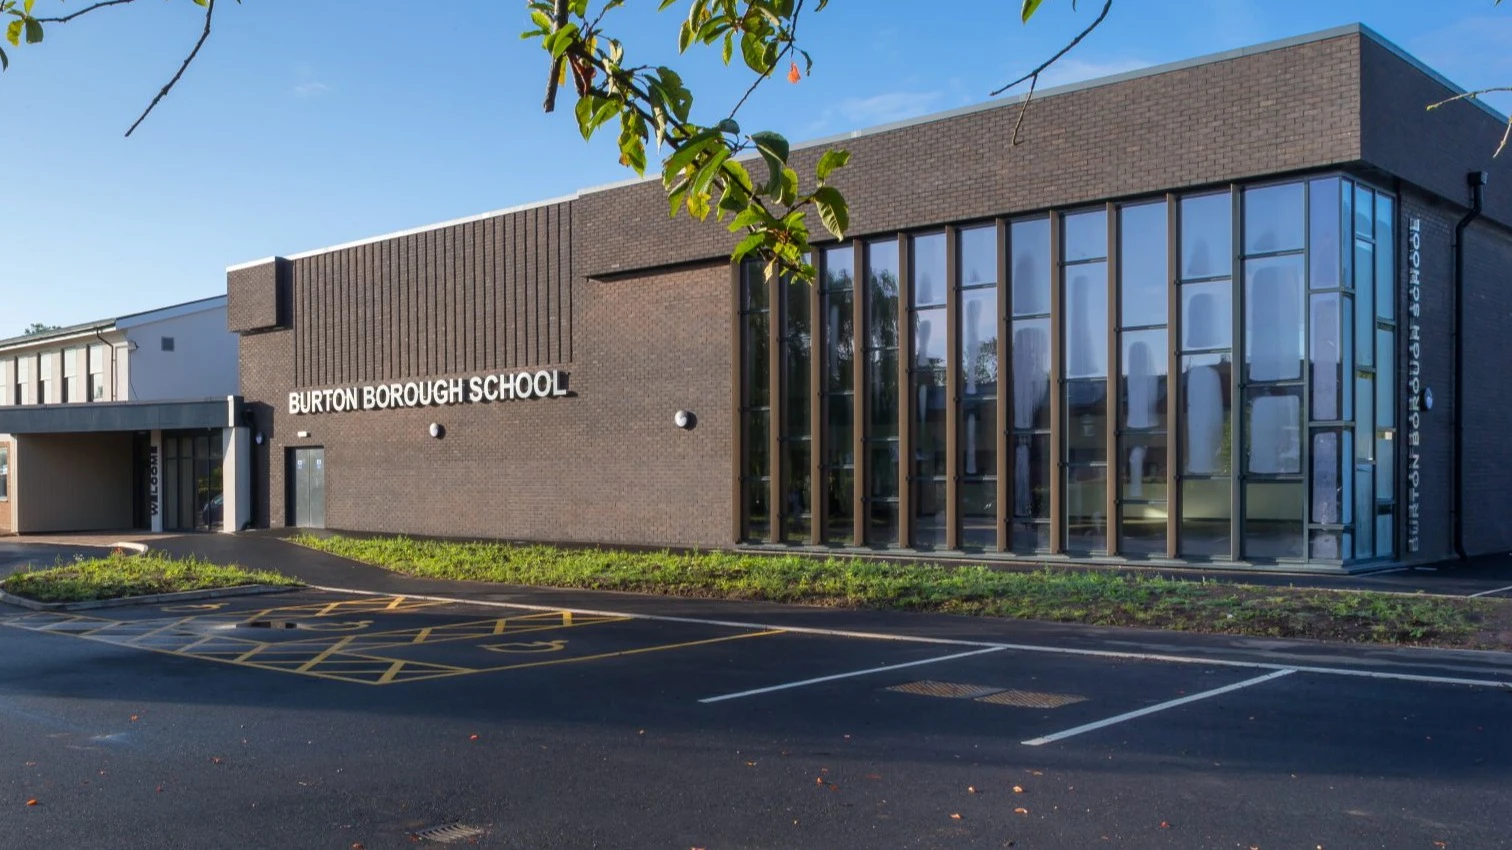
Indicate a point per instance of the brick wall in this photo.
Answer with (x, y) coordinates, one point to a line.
(605, 464)
(1488, 391)
(1435, 485)
(1432, 150)
(1283, 110)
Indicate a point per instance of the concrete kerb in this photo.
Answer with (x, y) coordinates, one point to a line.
(154, 598)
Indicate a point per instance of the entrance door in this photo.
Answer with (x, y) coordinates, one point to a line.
(307, 487)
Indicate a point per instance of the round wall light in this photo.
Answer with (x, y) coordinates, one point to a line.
(257, 438)
(684, 419)
(1425, 400)
(437, 430)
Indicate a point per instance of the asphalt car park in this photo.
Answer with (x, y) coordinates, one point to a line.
(329, 720)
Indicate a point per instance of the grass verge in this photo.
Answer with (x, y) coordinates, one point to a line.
(119, 575)
(1066, 596)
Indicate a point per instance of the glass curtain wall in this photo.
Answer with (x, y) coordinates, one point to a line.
(976, 285)
(1205, 409)
(796, 444)
(1144, 302)
(1369, 249)
(756, 402)
(1330, 396)
(1275, 329)
(1030, 270)
(1287, 453)
(926, 368)
(882, 456)
(1084, 278)
(837, 289)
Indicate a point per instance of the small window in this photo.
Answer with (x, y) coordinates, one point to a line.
(167, 343)
(4, 473)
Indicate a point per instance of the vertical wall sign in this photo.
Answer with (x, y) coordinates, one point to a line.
(1414, 380)
(152, 480)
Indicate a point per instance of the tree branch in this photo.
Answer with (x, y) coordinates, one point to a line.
(559, 18)
(1033, 76)
(1475, 95)
(209, 11)
(786, 51)
(84, 11)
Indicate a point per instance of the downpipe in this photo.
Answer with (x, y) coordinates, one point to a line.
(1477, 181)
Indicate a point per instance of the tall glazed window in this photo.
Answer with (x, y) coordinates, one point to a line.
(796, 341)
(756, 404)
(882, 455)
(1084, 281)
(1275, 331)
(1030, 270)
(927, 369)
(837, 291)
(976, 284)
(1143, 278)
(1205, 408)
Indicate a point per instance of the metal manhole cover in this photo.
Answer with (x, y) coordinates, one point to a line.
(449, 833)
(1031, 699)
(944, 689)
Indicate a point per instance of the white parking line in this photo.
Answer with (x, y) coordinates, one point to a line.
(1489, 592)
(867, 672)
(1059, 736)
(983, 644)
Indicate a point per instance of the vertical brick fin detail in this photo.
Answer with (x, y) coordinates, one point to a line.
(494, 293)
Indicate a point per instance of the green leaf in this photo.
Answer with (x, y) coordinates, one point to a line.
(754, 50)
(789, 193)
(831, 160)
(13, 32)
(688, 151)
(1029, 8)
(729, 47)
(4, 61)
(833, 210)
(747, 245)
(774, 149)
(751, 216)
(27, 7)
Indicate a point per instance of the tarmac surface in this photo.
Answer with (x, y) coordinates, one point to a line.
(416, 711)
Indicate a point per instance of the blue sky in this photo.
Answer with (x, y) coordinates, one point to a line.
(305, 124)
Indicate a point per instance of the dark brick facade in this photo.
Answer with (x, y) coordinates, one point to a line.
(636, 305)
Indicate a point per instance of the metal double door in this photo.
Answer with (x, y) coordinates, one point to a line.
(307, 487)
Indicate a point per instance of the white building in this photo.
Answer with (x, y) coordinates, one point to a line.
(126, 423)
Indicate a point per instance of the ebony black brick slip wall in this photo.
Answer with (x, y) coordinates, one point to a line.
(640, 348)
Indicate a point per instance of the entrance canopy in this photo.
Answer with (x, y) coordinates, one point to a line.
(121, 416)
(180, 465)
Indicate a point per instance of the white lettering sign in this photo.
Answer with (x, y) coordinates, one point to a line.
(1414, 380)
(507, 386)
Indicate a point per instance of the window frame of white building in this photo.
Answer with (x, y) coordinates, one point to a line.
(70, 387)
(95, 366)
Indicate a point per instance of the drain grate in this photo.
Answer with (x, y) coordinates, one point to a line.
(944, 689)
(449, 833)
(1031, 699)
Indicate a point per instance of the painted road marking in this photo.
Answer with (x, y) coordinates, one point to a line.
(1020, 647)
(1490, 592)
(1060, 736)
(867, 672)
(531, 647)
(326, 654)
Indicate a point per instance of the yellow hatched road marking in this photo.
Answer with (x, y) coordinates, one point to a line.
(639, 651)
(324, 654)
